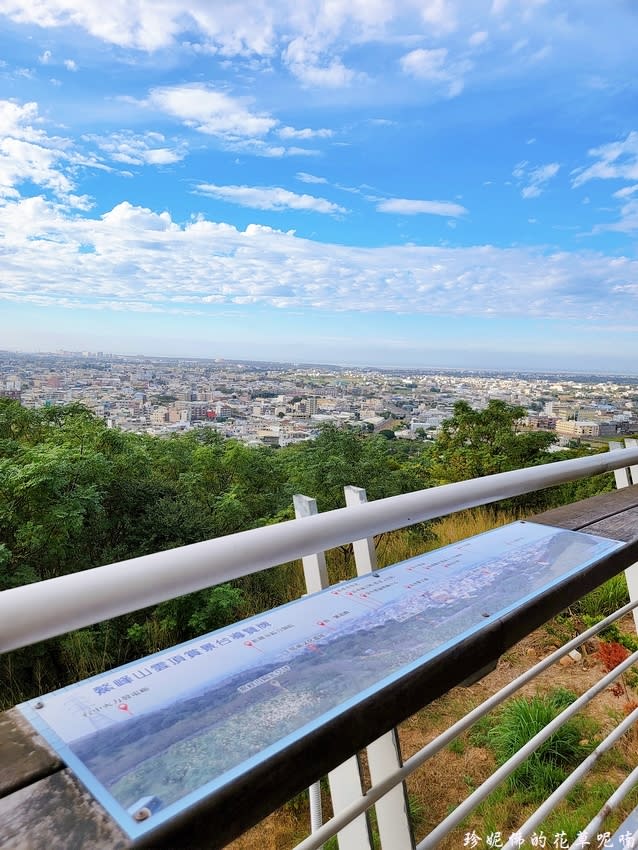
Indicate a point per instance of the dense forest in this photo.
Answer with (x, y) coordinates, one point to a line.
(75, 494)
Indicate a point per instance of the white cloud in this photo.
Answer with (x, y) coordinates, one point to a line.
(309, 178)
(499, 6)
(269, 198)
(139, 219)
(535, 179)
(259, 147)
(406, 206)
(210, 111)
(307, 62)
(244, 28)
(440, 15)
(478, 38)
(144, 258)
(28, 154)
(628, 220)
(307, 133)
(320, 42)
(147, 149)
(425, 64)
(143, 26)
(433, 66)
(616, 161)
(626, 192)
(230, 119)
(541, 54)
(46, 58)
(332, 76)
(18, 119)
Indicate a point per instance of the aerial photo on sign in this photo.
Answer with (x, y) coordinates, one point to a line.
(171, 729)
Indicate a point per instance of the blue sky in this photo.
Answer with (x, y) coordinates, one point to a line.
(372, 182)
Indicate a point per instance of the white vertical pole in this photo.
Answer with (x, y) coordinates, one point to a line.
(365, 555)
(345, 780)
(624, 478)
(314, 566)
(384, 754)
(631, 443)
(345, 788)
(621, 475)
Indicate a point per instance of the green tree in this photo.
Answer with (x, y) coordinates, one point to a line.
(339, 456)
(474, 443)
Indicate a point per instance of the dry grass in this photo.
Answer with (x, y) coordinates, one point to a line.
(468, 523)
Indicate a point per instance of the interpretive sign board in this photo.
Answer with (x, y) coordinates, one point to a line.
(152, 738)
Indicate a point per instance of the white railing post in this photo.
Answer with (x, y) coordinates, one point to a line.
(621, 475)
(384, 754)
(314, 566)
(345, 780)
(631, 443)
(624, 478)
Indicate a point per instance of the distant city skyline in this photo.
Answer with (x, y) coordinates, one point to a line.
(398, 184)
(434, 368)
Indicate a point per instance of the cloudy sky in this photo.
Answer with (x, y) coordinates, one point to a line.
(383, 182)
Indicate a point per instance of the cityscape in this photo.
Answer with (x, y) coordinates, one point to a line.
(277, 404)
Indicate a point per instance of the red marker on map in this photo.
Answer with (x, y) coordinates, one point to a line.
(123, 706)
(252, 645)
(374, 602)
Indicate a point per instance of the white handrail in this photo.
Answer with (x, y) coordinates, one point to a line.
(45, 609)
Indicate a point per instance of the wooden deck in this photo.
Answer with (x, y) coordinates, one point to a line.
(43, 806)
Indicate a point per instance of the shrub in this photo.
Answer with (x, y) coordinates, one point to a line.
(522, 719)
(612, 654)
(612, 633)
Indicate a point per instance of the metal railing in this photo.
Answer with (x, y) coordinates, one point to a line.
(38, 611)
(376, 792)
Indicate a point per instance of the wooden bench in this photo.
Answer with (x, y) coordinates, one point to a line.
(43, 806)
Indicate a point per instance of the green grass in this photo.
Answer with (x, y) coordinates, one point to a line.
(457, 746)
(479, 733)
(604, 600)
(582, 805)
(518, 722)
